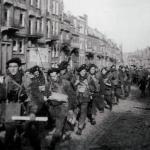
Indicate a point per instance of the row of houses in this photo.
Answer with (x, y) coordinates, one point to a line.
(41, 33)
(138, 58)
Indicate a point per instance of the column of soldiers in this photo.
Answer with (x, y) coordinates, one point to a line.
(67, 97)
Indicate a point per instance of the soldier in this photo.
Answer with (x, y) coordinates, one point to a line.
(83, 96)
(142, 80)
(128, 81)
(14, 94)
(59, 103)
(2, 100)
(108, 89)
(35, 85)
(115, 84)
(122, 79)
(96, 93)
(67, 74)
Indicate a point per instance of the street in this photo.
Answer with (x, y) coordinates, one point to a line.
(127, 127)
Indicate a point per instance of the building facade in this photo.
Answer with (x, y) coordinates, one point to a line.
(41, 33)
(138, 58)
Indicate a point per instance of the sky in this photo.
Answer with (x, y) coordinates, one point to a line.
(126, 22)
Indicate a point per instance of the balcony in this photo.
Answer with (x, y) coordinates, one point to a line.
(35, 35)
(65, 27)
(9, 26)
(20, 5)
(10, 2)
(75, 45)
(55, 37)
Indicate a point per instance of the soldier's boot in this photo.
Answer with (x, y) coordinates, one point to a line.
(93, 121)
(79, 131)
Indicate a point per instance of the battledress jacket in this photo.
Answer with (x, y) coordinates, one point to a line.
(35, 96)
(62, 86)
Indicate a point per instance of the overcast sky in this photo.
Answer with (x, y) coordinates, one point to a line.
(127, 22)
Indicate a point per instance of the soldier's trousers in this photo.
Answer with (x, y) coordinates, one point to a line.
(108, 99)
(82, 114)
(59, 114)
(91, 111)
(12, 139)
(99, 101)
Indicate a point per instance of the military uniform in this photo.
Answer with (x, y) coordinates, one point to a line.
(35, 106)
(108, 89)
(14, 94)
(83, 97)
(96, 91)
(127, 81)
(58, 109)
(116, 84)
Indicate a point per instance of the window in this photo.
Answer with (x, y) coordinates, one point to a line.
(53, 28)
(24, 1)
(7, 16)
(42, 25)
(49, 6)
(15, 46)
(32, 2)
(38, 3)
(57, 28)
(56, 54)
(53, 53)
(18, 46)
(22, 19)
(48, 29)
(21, 46)
(57, 8)
(30, 26)
(53, 10)
(38, 25)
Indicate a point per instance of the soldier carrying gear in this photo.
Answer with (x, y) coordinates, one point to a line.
(96, 93)
(128, 81)
(83, 96)
(116, 84)
(108, 89)
(59, 103)
(15, 93)
(36, 89)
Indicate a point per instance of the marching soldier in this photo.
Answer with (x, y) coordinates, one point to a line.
(108, 89)
(128, 81)
(122, 79)
(67, 74)
(116, 84)
(83, 96)
(96, 93)
(59, 103)
(2, 100)
(14, 95)
(35, 86)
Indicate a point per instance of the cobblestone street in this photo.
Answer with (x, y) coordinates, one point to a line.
(127, 127)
